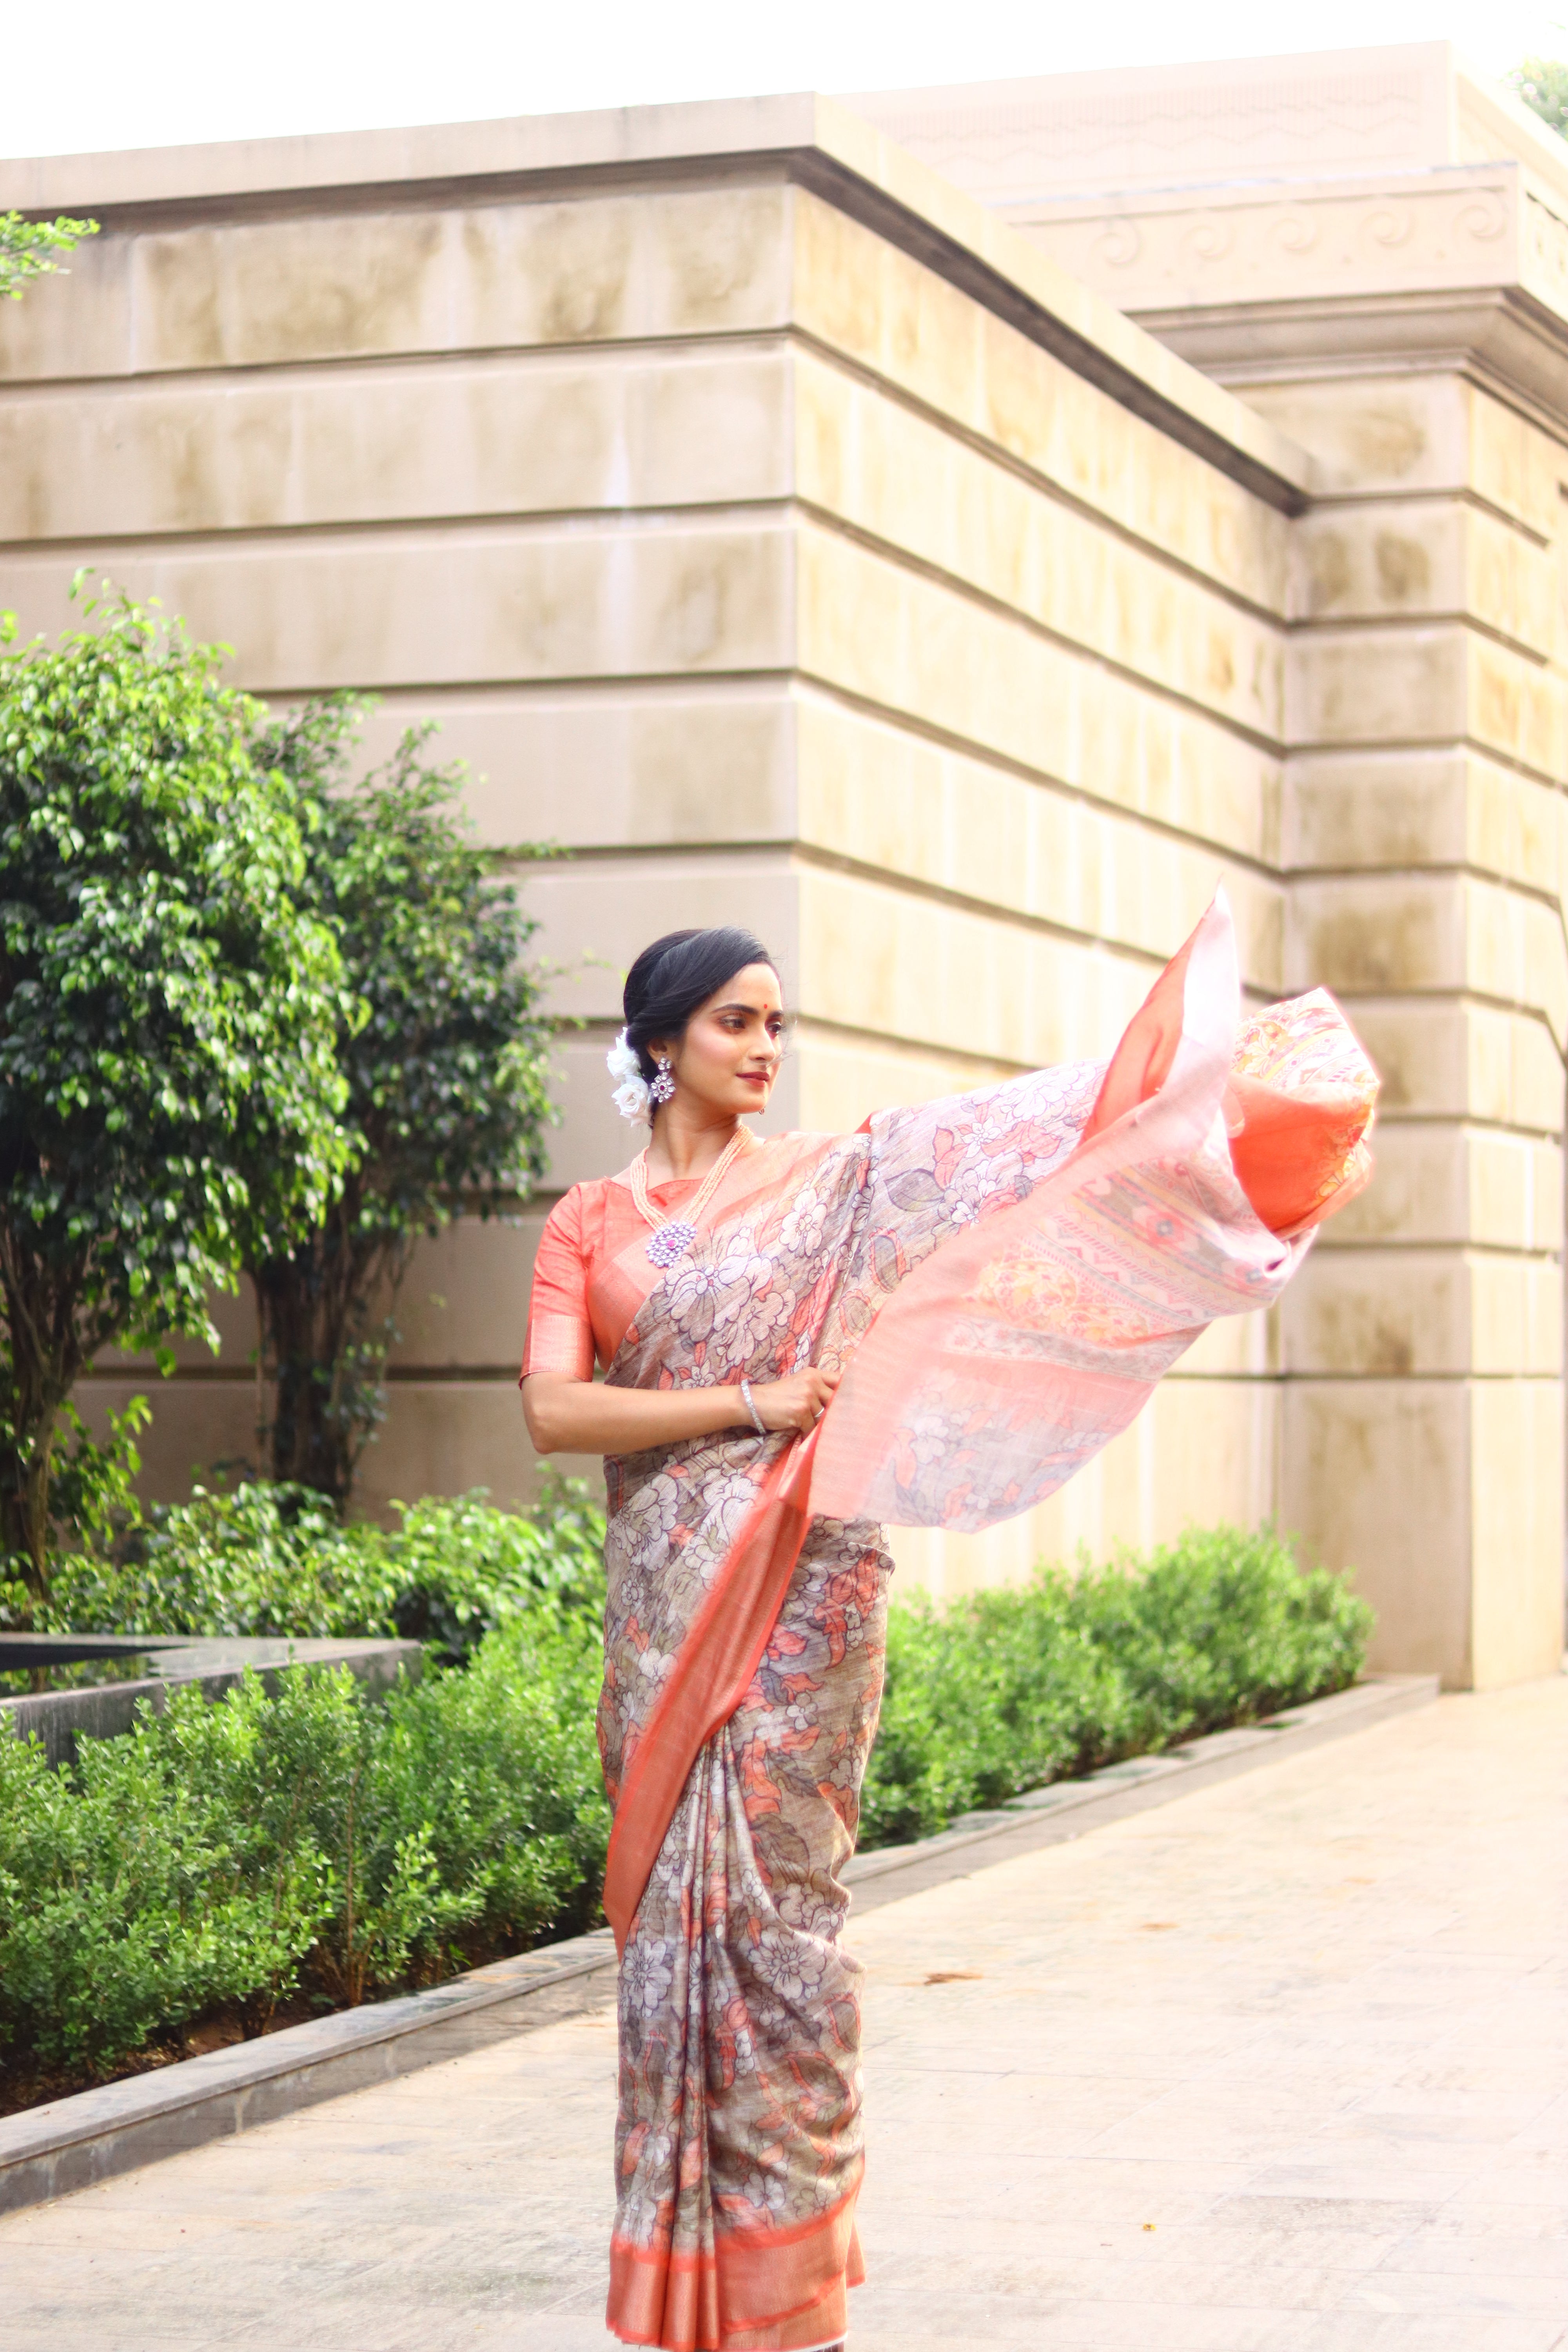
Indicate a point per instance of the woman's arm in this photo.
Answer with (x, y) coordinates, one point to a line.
(568, 1416)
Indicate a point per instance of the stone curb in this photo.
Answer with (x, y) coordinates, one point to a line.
(106, 1710)
(71, 2143)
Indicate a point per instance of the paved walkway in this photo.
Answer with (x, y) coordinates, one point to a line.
(1282, 2067)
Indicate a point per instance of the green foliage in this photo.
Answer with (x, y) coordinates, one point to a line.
(444, 1060)
(1542, 83)
(313, 1838)
(276, 1560)
(144, 1886)
(479, 1818)
(28, 248)
(1012, 1688)
(169, 1094)
(226, 1853)
(94, 1503)
(462, 1568)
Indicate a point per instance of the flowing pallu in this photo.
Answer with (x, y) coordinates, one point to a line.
(1001, 1279)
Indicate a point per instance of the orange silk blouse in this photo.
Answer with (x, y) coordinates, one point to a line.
(593, 1270)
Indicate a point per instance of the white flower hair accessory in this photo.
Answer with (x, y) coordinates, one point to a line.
(633, 1096)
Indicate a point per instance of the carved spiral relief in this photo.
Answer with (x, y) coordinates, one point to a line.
(1387, 226)
(1208, 238)
(1367, 239)
(1294, 231)
(1482, 221)
(1119, 245)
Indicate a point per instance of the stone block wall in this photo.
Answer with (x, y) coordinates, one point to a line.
(1392, 292)
(1424, 838)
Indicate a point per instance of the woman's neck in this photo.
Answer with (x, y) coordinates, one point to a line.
(685, 1146)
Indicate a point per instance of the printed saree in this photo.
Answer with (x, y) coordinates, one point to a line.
(1001, 1278)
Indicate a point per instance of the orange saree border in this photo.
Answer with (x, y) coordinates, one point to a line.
(710, 1675)
(787, 2286)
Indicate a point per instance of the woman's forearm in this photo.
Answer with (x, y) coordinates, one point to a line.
(566, 1416)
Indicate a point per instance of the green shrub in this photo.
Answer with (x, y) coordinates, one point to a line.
(143, 1887)
(170, 1094)
(462, 1568)
(445, 1053)
(317, 1841)
(1007, 1690)
(274, 1559)
(222, 1854)
(1542, 83)
(493, 1777)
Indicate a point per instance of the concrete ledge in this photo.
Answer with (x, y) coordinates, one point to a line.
(59, 1718)
(69, 2144)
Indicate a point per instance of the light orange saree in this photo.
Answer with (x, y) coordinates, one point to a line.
(1002, 1277)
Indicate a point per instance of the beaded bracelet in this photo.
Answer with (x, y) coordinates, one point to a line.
(751, 1404)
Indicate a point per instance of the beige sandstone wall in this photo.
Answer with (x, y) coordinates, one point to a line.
(786, 535)
(1392, 291)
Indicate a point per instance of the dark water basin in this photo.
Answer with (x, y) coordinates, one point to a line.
(58, 1662)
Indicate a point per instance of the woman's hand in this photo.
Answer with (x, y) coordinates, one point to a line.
(799, 1402)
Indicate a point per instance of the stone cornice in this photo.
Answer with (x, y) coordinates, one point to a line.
(1291, 240)
(809, 139)
(1497, 335)
(1464, 265)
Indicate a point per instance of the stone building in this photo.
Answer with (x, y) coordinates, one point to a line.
(951, 532)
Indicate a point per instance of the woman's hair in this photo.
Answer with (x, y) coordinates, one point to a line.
(670, 979)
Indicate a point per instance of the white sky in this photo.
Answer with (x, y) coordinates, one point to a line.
(99, 73)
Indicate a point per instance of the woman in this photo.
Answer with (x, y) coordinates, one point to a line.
(933, 1321)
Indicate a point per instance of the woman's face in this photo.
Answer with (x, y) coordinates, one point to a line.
(730, 1055)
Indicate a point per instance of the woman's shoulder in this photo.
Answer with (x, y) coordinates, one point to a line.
(584, 1207)
(580, 1209)
(593, 1215)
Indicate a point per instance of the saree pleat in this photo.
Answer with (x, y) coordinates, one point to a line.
(1001, 1278)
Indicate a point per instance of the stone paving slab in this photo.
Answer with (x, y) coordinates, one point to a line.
(1281, 2067)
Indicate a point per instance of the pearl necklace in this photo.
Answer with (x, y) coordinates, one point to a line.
(673, 1237)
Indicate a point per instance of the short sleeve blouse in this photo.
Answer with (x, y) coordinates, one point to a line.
(560, 1324)
(590, 1275)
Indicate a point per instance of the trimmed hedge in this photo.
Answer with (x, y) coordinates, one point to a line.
(316, 1839)
(318, 1846)
(1008, 1689)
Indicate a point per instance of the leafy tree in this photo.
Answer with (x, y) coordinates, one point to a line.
(445, 1068)
(1542, 83)
(27, 248)
(169, 1095)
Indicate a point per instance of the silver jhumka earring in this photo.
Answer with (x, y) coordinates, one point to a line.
(663, 1086)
